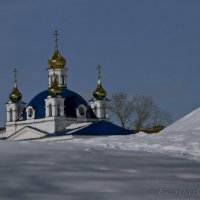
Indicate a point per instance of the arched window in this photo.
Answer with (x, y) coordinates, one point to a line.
(11, 115)
(104, 112)
(50, 110)
(95, 110)
(57, 79)
(62, 79)
(30, 112)
(58, 110)
(81, 111)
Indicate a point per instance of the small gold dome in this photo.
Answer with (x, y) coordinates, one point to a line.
(99, 92)
(15, 95)
(54, 89)
(56, 61)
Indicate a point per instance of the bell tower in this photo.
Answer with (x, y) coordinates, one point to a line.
(54, 103)
(15, 105)
(57, 62)
(99, 102)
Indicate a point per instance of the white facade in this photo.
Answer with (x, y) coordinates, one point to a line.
(48, 125)
(100, 108)
(60, 76)
(14, 110)
(54, 106)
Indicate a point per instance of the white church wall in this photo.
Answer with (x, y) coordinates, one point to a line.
(41, 124)
(49, 125)
(99, 107)
(27, 133)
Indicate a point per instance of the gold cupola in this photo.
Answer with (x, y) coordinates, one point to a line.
(56, 61)
(54, 89)
(15, 95)
(99, 93)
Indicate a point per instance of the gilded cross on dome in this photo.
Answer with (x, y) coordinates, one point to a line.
(56, 61)
(99, 72)
(56, 38)
(15, 74)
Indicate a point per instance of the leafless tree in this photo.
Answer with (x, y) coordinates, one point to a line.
(161, 118)
(138, 113)
(122, 108)
(147, 114)
(143, 110)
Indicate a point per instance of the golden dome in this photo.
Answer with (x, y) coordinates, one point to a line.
(54, 89)
(99, 92)
(15, 95)
(56, 61)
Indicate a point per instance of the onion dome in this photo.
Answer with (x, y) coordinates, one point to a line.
(54, 89)
(99, 93)
(56, 61)
(15, 95)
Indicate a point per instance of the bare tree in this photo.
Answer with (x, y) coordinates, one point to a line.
(161, 118)
(139, 113)
(143, 110)
(147, 114)
(122, 108)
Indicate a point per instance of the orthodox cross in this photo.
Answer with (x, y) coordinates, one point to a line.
(15, 74)
(99, 72)
(56, 38)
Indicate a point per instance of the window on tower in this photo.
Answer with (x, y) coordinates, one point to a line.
(50, 110)
(62, 79)
(11, 115)
(95, 110)
(58, 110)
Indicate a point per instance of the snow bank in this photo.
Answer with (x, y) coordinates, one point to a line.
(180, 139)
(69, 171)
(177, 145)
(190, 122)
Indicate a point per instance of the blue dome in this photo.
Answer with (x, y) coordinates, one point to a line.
(72, 101)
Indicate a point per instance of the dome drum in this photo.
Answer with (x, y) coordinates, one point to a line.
(72, 103)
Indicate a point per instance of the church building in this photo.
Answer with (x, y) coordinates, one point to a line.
(58, 113)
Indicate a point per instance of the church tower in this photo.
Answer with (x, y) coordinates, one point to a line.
(15, 105)
(54, 103)
(99, 102)
(57, 63)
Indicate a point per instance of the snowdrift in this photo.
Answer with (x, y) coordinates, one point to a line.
(180, 139)
(190, 122)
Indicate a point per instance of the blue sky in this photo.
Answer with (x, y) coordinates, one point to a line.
(150, 47)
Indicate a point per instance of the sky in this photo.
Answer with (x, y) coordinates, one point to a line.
(148, 47)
